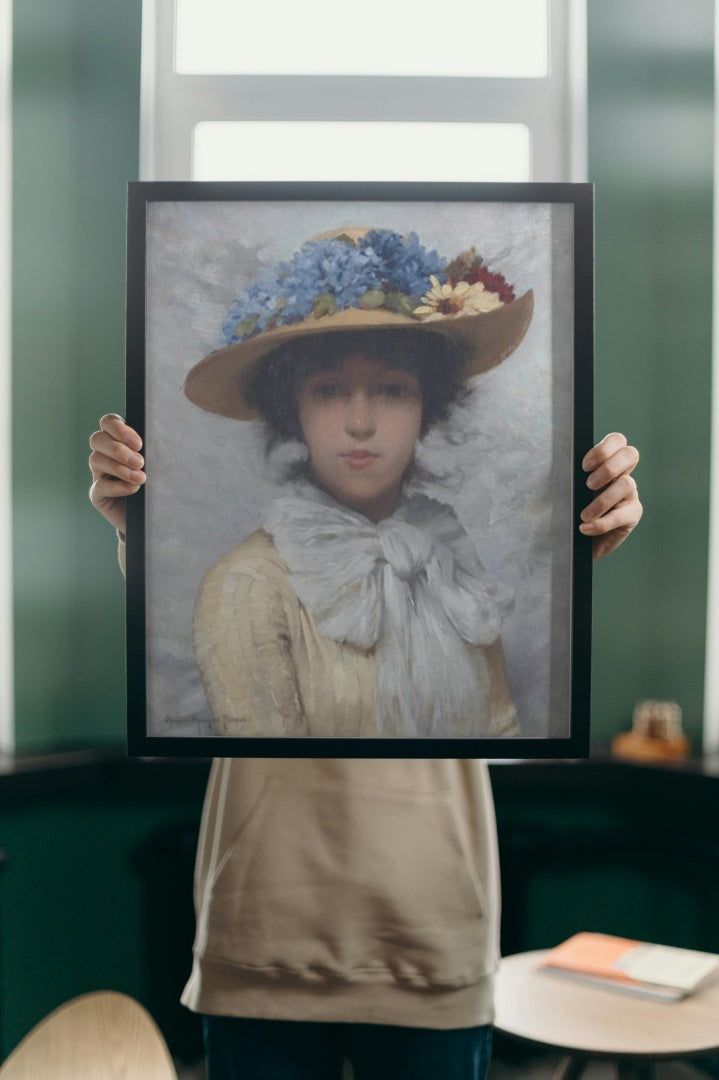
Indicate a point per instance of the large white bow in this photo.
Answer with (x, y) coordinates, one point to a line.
(411, 588)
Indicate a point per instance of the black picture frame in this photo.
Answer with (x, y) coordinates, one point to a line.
(184, 239)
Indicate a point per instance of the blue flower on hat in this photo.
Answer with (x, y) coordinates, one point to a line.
(380, 269)
(407, 264)
(326, 268)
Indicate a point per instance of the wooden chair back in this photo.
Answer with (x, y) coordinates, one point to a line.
(99, 1036)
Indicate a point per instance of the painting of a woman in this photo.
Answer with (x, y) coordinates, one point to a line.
(361, 417)
(360, 607)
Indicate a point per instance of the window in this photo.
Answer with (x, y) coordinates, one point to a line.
(297, 149)
(490, 92)
(213, 37)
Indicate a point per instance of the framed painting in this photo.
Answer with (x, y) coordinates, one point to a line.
(364, 409)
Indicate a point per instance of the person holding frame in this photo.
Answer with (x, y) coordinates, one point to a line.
(357, 895)
(262, 1020)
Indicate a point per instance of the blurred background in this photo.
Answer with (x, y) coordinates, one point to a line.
(616, 92)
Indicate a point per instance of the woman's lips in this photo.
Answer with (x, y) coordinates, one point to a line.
(360, 459)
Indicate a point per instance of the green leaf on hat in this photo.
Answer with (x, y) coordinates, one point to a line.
(373, 298)
(397, 301)
(343, 238)
(247, 326)
(324, 305)
(463, 263)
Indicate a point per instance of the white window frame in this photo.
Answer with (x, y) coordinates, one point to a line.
(710, 730)
(7, 719)
(553, 108)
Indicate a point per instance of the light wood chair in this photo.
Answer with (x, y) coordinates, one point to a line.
(98, 1036)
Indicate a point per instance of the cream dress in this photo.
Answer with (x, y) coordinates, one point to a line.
(325, 624)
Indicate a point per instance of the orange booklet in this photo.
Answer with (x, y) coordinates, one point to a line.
(662, 972)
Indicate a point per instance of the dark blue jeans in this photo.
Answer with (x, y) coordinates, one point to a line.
(239, 1049)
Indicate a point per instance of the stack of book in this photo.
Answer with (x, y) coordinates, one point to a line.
(661, 972)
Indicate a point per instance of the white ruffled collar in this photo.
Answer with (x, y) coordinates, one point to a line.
(411, 588)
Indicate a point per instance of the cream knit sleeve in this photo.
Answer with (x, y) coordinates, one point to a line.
(504, 720)
(243, 649)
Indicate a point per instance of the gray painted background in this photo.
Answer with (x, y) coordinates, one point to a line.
(510, 458)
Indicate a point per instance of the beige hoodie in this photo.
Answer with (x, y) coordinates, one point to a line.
(347, 890)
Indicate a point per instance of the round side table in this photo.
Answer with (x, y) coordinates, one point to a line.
(586, 1022)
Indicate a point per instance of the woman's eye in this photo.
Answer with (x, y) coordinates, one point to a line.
(396, 390)
(326, 390)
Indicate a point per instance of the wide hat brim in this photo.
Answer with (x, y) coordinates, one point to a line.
(220, 382)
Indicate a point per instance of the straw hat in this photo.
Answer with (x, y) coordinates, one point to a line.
(360, 279)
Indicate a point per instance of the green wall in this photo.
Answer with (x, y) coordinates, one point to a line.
(79, 894)
(75, 146)
(76, 89)
(650, 156)
(73, 937)
(71, 907)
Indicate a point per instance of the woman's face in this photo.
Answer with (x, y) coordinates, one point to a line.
(361, 421)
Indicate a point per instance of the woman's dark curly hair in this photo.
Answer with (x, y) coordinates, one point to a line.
(436, 360)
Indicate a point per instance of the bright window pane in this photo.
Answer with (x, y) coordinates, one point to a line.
(496, 38)
(278, 150)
